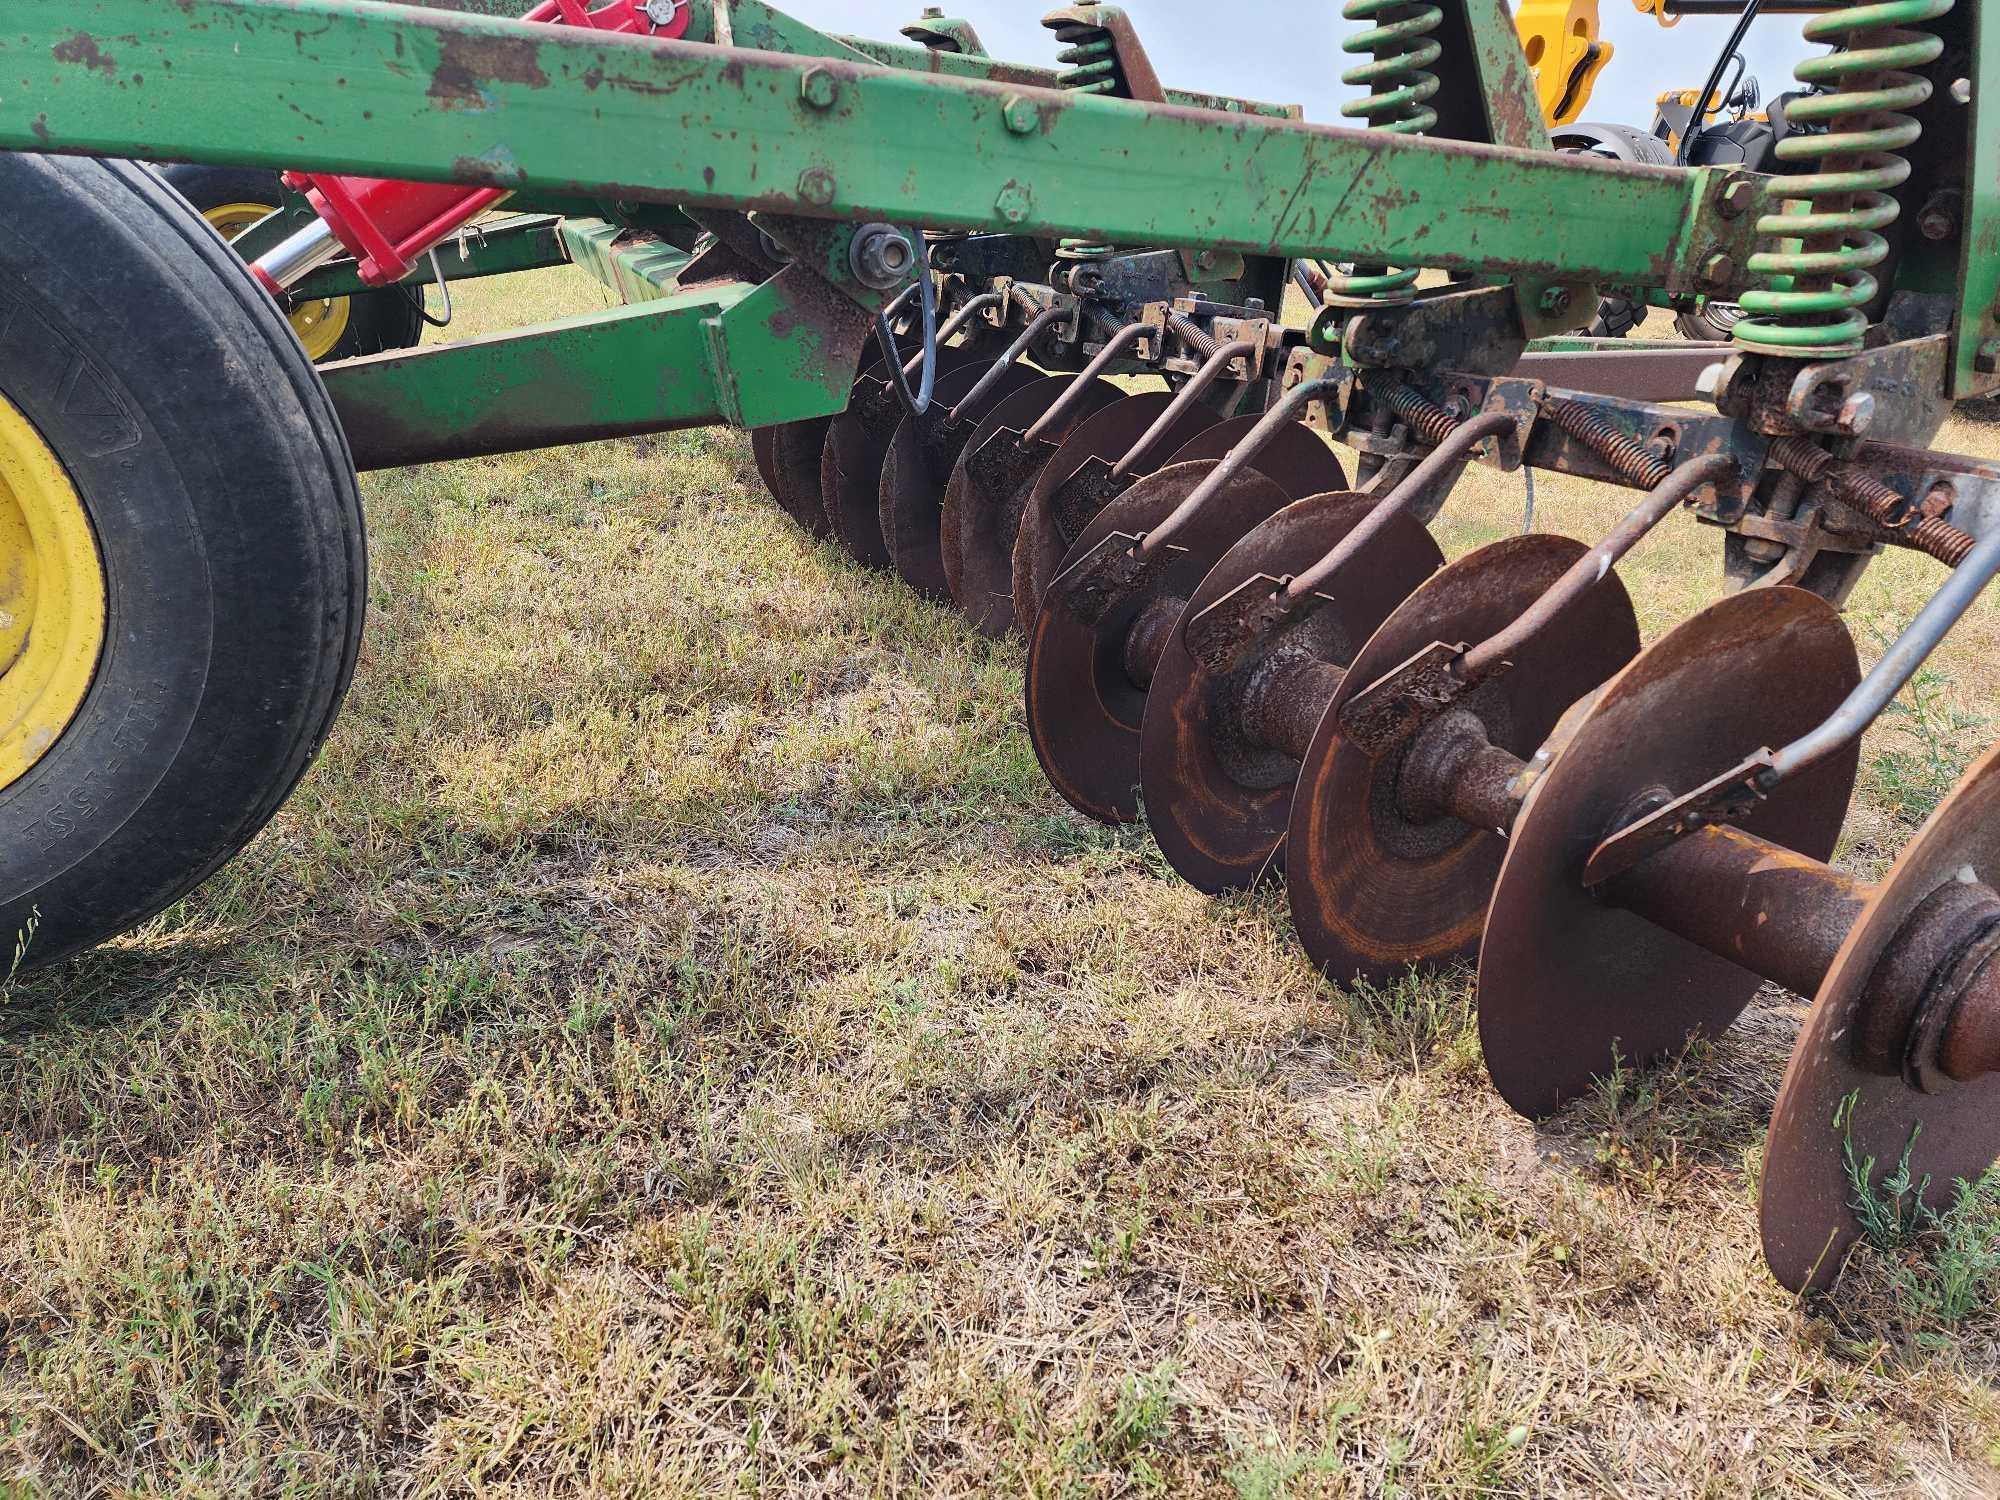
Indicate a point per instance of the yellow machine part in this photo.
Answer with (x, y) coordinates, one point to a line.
(52, 597)
(1564, 47)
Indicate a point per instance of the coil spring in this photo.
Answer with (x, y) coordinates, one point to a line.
(1625, 455)
(1090, 66)
(1430, 421)
(1193, 335)
(1855, 486)
(1400, 86)
(1820, 292)
(1090, 58)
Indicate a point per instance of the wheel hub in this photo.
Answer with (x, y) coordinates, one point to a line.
(321, 322)
(52, 597)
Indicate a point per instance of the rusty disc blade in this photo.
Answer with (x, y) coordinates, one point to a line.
(763, 448)
(1086, 687)
(1375, 890)
(789, 459)
(857, 442)
(1297, 459)
(1808, 1212)
(1217, 796)
(988, 490)
(1570, 986)
(1039, 542)
(921, 456)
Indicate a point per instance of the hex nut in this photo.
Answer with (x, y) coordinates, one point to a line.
(882, 256)
(817, 187)
(1022, 116)
(819, 89)
(1014, 203)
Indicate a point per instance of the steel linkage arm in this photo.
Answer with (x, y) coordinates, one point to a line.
(337, 86)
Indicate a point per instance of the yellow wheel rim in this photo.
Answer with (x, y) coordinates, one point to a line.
(320, 324)
(51, 597)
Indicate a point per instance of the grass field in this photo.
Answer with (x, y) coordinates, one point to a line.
(676, 1044)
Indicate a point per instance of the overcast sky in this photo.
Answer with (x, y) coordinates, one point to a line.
(1288, 51)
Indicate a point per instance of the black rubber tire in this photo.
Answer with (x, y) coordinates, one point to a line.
(1616, 317)
(1712, 323)
(377, 321)
(228, 521)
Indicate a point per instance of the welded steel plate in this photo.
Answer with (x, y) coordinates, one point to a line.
(1040, 543)
(1808, 1215)
(1217, 798)
(989, 489)
(788, 458)
(1085, 701)
(1570, 986)
(1374, 890)
(918, 465)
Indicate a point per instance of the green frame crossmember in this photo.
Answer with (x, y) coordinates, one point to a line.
(385, 90)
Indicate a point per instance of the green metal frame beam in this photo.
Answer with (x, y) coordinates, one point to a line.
(635, 369)
(1976, 337)
(992, 70)
(752, 356)
(637, 268)
(330, 85)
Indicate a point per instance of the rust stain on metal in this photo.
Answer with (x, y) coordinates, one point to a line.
(597, 78)
(83, 48)
(467, 65)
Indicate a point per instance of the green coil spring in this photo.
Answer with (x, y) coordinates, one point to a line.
(1400, 86)
(1090, 61)
(1090, 66)
(1821, 262)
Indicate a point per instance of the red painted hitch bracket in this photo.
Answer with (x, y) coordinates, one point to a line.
(387, 225)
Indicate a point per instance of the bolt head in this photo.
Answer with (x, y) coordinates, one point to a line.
(1556, 300)
(1961, 91)
(1710, 380)
(817, 187)
(1737, 198)
(1857, 414)
(1987, 360)
(1014, 203)
(1718, 269)
(819, 89)
(1023, 116)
